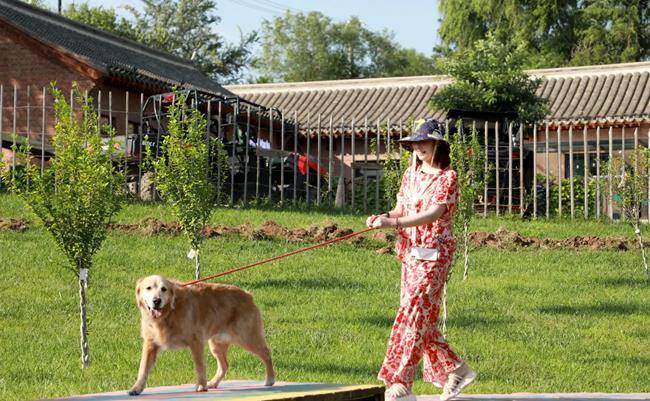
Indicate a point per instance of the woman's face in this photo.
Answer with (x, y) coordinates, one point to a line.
(424, 150)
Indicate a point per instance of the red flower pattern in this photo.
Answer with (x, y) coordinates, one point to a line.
(415, 335)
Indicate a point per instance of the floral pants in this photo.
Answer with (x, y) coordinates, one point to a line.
(415, 335)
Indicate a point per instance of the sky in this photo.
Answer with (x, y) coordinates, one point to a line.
(413, 22)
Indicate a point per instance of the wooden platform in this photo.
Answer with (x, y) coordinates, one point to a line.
(249, 391)
(545, 397)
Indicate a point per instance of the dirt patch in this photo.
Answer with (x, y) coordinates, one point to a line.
(13, 224)
(506, 239)
(381, 241)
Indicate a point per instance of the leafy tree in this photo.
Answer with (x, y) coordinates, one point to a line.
(554, 34)
(468, 160)
(309, 47)
(78, 194)
(189, 171)
(630, 177)
(489, 77)
(102, 18)
(184, 28)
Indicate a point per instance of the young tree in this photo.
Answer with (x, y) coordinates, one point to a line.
(78, 194)
(630, 177)
(189, 171)
(310, 47)
(489, 77)
(468, 160)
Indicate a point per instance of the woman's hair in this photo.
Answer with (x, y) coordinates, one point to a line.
(440, 155)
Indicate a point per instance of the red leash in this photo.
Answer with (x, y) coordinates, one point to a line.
(331, 241)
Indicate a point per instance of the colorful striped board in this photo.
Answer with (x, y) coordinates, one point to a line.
(248, 391)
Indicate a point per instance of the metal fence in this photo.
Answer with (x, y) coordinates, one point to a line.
(540, 170)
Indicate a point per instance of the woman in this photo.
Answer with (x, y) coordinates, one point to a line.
(423, 216)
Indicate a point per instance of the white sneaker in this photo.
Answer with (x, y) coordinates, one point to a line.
(399, 392)
(457, 381)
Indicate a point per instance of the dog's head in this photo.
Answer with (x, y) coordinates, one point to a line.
(155, 295)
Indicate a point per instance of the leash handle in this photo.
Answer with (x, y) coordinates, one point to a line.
(279, 257)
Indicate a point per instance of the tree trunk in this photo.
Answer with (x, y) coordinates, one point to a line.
(197, 258)
(637, 232)
(83, 286)
(466, 249)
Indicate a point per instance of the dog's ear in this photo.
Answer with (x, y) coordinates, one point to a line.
(138, 301)
(173, 287)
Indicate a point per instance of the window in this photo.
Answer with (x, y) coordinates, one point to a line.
(579, 161)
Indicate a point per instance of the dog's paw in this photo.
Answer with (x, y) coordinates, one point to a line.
(213, 383)
(269, 381)
(135, 390)
(200, 388)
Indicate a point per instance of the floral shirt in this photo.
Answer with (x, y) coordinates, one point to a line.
(420, 191)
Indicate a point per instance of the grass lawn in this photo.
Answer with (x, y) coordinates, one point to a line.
(527, 320)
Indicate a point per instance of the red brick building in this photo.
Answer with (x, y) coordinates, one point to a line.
(37, 47)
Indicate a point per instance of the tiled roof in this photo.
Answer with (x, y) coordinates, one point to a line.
(107, 53)
(616, 92)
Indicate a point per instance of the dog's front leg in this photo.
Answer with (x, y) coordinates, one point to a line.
(199, 364)
(148, 359)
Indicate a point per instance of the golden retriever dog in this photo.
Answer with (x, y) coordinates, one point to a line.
(187, 317)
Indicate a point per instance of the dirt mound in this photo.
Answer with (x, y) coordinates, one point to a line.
(383, 241)
(13, 224)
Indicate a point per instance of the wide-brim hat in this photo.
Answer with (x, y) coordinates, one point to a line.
(428, 129)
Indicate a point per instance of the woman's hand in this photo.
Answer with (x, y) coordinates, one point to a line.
(383, 222)
(370, 220)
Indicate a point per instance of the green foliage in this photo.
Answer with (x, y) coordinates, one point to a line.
(184, 28)
(630, 181)
(489, 77)
(578, 196)
(190, 169)
(553, 34)
(468, 160)
(102, 18)
(82, 189)
(309, 47)
(630, 175)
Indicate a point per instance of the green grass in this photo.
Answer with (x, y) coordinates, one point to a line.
(527, 320)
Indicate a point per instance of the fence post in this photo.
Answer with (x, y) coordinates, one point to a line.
(13, 135)
(248, 127)
(610, 201)
(352, 172)
(559, 170)
(295, 153)
(586, 172)
(318, 152)
(521, 169)
(307, 173)
(377, 161)
(365, 160)
(510, 167)
(271, 149)
(498, 167)
(257, 154)
(535, 169)
(282, 157)
(571, 189)
(546, 166)
(42, 133)
(485, 169)
(330, 164)
(138, 186)
(598, 178)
